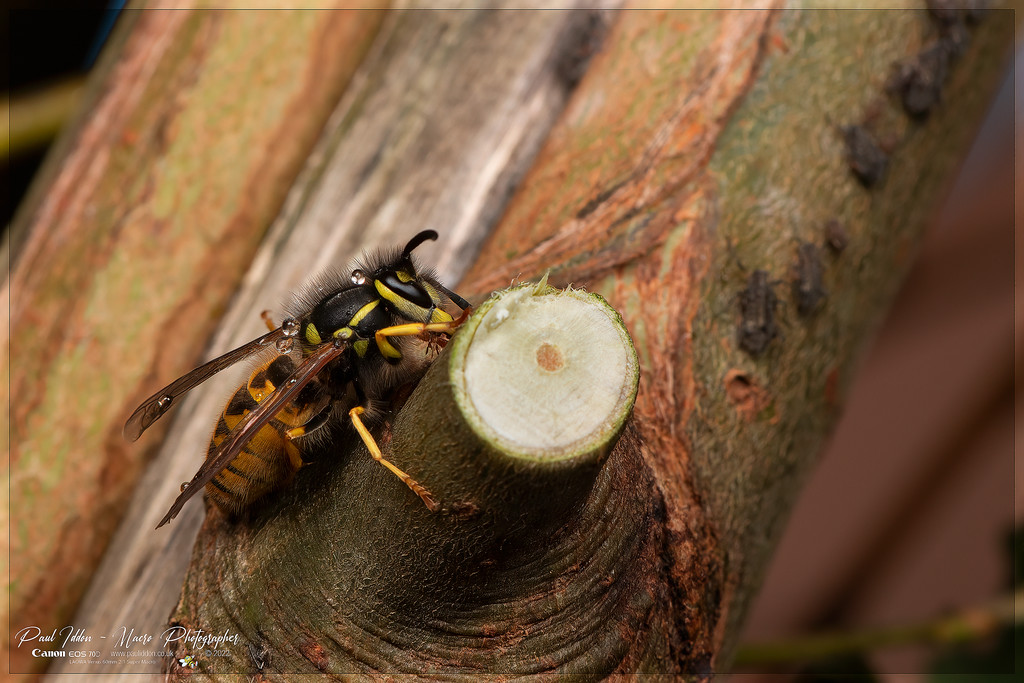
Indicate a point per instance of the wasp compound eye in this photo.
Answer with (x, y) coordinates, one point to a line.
(410, 290)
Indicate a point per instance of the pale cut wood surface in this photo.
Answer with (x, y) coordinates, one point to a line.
(440, 123)
(547, 374)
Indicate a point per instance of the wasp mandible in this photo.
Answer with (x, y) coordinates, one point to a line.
(347, 346)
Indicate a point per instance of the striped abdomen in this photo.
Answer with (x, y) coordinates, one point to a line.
(269, 460)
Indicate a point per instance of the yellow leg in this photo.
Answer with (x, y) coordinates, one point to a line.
(424, 495)
(294, 456)
(268, 320)
(416, 329)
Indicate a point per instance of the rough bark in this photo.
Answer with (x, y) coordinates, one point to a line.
(699, 149)
(468, 589)
(683, 186)
(771, 130)
(409, 146)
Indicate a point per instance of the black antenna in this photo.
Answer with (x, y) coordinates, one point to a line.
(417, 241)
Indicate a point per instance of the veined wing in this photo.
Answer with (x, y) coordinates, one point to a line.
(251, 423)
(154, 407)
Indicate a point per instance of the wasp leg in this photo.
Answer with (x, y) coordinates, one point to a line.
(424, 495)
(314, 423)
(416, 329)
(269, 321)
(311, 425)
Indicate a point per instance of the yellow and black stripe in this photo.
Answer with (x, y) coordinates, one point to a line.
(269, 460)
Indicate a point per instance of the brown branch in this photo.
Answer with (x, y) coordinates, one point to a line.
(697, 149)
(667, 214)
(964, 626)
(122, 258)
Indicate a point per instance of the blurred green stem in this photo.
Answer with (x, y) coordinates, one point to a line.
(34, 118)
(963, 626)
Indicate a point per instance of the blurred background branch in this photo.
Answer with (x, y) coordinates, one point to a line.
(966, 625)
(34, 118)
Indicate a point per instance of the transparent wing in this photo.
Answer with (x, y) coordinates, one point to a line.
(251, 423)
(154, 407)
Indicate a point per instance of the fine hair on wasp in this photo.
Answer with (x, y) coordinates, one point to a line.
(347, 347)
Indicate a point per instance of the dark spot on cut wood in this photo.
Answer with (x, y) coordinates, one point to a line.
(866, 159)
(550, 358)
(807, 286)
(757, 326)
(836, 236)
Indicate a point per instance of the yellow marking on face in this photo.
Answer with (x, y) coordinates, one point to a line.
(362, 313)
(404, 276)
(387, 293)
(312, 334)
(440, 316)
(405, 307)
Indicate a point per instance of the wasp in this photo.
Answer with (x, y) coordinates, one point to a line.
(346, 348)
